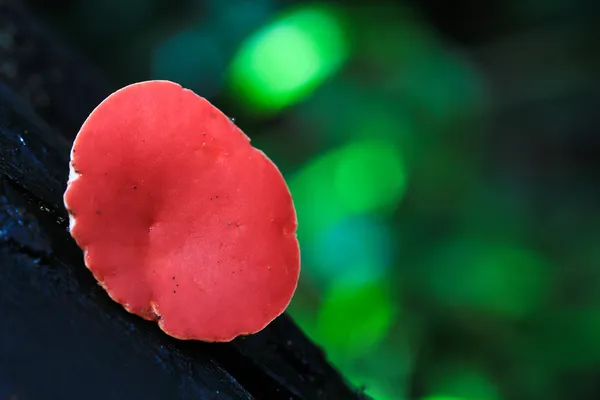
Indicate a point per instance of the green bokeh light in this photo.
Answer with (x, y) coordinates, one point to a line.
(286, 60)
(353, 319)
(443, 398)
(316, 204)
(370, 175)
(566, 339)
(442, 84)
(377, 394)
(385, 372)
(439, 86)
(462, 382)
(361, 177)
(502, 280)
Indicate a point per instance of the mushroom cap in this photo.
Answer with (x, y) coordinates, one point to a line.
(181, 220)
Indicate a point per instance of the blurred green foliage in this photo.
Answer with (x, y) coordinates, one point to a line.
(285, 60)
(442, 258)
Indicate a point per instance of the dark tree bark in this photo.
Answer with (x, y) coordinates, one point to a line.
(61, 337)
(56, 83)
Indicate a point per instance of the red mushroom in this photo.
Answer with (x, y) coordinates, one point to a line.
(181, 220)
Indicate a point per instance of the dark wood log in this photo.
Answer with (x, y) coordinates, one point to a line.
(61, 337)
(56, 82)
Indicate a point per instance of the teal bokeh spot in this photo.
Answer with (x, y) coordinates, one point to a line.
(192, 59)
(355, 250)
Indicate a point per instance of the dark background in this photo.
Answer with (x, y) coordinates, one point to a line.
(442, 156)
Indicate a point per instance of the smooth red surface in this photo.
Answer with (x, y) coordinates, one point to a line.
(182, 221)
